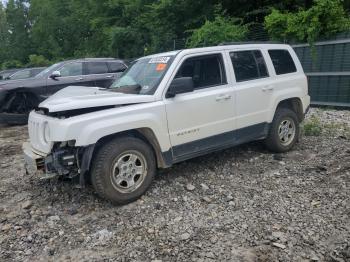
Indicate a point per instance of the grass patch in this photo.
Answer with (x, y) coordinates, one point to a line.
(312, 127)
(333, 128)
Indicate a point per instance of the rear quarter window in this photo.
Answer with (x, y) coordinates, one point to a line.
(282, 61)
(97, 68)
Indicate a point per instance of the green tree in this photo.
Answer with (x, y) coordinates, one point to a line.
(37, 60)
(222, 29)
(61, 29)
(9, 64)
(64, 29)
(18, 28)
(3, 35)
(323, 19)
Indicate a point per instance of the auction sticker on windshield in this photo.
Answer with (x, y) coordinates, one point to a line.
(161, 67)
(159, 60)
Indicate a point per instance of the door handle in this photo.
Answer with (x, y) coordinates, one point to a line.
(79, 79)
(267, 88)
(223, 97)
(109, 76)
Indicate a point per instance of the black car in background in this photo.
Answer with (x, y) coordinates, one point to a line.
(25, 73)
(19, 97)
(5, 73)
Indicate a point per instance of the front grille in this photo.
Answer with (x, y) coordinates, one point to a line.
(36, 133)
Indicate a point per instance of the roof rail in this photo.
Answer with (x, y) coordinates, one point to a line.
(250, 42)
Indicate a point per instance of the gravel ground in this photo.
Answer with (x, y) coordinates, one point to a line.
(242, 204)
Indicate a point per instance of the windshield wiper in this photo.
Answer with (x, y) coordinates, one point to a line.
(127, 89)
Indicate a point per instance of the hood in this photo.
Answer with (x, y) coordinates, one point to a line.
(78, 97)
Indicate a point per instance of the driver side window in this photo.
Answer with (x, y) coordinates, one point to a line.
(206, 71)
(72, 69)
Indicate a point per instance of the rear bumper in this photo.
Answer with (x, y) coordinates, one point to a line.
(33, 161)
(306, 104)
(307, 110)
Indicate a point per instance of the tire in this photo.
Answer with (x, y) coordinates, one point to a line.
(18, 108)
(284, 131)
(123, 169)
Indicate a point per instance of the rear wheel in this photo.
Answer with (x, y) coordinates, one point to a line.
(284, 131)
(123, 169)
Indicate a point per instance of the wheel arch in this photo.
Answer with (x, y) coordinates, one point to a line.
(10, 95)
(146, 135)
(294, 104)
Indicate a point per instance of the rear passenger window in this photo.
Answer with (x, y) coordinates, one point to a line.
(282, 61)
(205, 71)
(72, 69)
(97, 68)
(248, 65)
(115, 67)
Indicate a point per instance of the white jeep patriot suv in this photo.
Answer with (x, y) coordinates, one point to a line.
(167, 108)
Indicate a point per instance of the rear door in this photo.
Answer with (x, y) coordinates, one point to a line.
(98, 72)
(254, 87)
(72, 74)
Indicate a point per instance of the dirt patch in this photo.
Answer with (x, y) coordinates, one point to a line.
(241, 204)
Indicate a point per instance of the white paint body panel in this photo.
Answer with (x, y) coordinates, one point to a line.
(76, 97)
(203, 113)
(198, 114)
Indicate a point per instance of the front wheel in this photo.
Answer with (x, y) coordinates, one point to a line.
(123, 169)
(284, 131)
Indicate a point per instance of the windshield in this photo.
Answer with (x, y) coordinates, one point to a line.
(47, 70)
(143, 76)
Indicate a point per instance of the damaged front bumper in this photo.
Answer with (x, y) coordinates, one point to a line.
(68, 162)
(34, 162)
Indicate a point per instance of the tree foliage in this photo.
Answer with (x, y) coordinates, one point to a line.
(324, 18)
(9, 64)
(221, 29)
(55, 30)
(37, 61)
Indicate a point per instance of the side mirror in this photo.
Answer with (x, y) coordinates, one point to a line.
(55, 74)
(179, 86)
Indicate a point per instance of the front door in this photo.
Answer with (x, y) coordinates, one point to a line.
(201, 120)
(72, 74)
